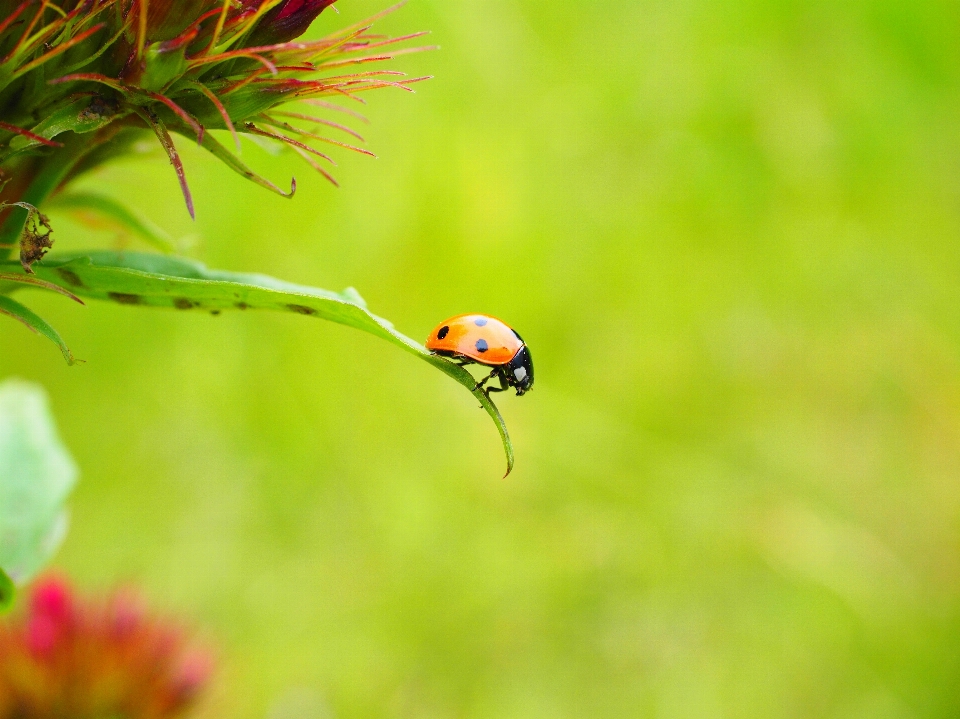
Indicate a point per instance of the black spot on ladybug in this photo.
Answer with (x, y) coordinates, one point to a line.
(482, 346)
(480, 322)
(301, 309)
(443, 332)
(123, 298)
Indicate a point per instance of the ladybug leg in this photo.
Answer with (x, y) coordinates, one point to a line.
(504, 386)
(488, 390)
(486, 379)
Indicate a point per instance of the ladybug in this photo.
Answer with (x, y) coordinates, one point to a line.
(485, 340)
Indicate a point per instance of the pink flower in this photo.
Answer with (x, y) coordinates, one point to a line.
(68, 656)
(51, 616)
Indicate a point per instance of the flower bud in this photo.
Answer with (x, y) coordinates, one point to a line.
(287, 21)
(81, 82)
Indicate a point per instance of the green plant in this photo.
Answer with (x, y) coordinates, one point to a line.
(81, 81)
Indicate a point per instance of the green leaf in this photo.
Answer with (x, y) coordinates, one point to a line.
(6, 591)
(211, 144)
(117, 216)
(80, 116)
(149, 280)
(12, 308)
(37, 475)
(162, 67)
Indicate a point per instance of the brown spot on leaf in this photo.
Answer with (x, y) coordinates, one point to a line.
(214, 312)
(241, 305)
(124, 299)
(70, 277)
(302, 310)
(182, 303)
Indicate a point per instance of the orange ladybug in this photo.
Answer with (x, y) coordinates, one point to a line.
(485, 340)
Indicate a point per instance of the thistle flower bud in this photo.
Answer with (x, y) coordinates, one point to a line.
(288, 20)
(81, 81)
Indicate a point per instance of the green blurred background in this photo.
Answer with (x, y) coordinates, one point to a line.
(730, 233)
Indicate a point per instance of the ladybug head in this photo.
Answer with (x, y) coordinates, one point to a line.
(519, 371)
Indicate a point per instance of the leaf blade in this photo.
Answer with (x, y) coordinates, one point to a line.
(14, 309)
(211, 144)
(173, 282)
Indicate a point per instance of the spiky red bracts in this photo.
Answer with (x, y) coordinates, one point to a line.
(80, 79)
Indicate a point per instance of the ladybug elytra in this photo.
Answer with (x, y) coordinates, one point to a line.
(485, 340)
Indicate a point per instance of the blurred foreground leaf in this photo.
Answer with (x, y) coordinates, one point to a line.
(149, 280)
(36, 476)
(96, 209)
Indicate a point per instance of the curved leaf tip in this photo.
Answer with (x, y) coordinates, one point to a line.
(34, 322)
(494, 413)
(467, 380)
